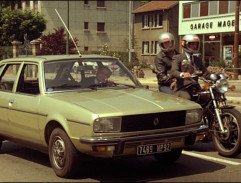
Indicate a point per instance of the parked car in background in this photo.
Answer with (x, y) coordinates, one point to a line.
(45, 104)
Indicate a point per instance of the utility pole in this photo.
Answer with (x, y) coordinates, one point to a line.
(236, 41)
(130, 30)
(67, 36)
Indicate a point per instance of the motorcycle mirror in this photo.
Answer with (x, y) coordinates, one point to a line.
(222, 76)
(213, 77)
(185, 62)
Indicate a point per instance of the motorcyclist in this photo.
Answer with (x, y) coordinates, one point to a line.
(185, 65)
(163, 62)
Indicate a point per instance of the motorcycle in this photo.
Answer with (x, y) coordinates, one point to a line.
(223, 120)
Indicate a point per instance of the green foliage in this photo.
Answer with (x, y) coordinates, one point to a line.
(122, 56)
(14, 24)
(144, 2)
(55, 43)
(218, 63)
(5, 52)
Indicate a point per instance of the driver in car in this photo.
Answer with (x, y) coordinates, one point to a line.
(102, 76)
(185, 65)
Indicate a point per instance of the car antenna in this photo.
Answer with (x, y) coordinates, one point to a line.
(68, 32)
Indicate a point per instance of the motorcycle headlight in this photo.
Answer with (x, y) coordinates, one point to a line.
(222, 85)
(112, 124)
(193, 116)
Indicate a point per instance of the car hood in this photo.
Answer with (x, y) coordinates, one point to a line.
(125, 101)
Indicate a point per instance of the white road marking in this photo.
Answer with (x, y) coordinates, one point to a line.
(210, 158)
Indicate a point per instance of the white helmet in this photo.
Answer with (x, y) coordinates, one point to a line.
(190, 38)
(166, 37)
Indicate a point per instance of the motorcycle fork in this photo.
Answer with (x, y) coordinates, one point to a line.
(217, 112)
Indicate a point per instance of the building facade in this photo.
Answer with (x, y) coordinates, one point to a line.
(214, 23)
(151, 20)
(93, 23)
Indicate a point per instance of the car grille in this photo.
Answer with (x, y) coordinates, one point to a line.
(153, 121)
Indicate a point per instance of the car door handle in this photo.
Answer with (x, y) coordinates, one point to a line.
(11, 101)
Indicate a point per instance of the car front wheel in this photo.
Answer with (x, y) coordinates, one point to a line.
(63, 156)
(169, 157)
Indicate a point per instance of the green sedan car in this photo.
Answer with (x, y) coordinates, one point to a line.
(73, 107)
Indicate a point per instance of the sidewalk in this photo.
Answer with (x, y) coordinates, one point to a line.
(233, 97)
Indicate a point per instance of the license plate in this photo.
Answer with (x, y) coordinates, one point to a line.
(153, 148)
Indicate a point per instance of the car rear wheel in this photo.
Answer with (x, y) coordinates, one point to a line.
(169, 157)
(64, 158)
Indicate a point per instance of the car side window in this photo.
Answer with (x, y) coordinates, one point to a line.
(28, 80)
(8, 77)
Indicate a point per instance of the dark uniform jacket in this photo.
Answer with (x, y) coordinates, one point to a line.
(178, 68)
(163, 65)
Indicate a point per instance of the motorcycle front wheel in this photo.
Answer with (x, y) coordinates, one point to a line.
(228, 144)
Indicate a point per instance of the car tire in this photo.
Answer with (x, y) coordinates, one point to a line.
(64, 158)
(169, 157)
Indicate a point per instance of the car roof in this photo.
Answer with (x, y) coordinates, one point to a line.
(44, 58)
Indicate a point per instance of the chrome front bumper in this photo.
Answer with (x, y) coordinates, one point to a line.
(190, 135)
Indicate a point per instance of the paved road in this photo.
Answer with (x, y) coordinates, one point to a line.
(199, 163)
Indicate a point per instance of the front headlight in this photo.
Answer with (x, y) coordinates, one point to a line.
(222, 85)
(193, 116)
(111, 124)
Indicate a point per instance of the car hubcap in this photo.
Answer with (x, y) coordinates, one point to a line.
(58, 151)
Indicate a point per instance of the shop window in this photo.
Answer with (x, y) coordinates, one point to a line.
(213, 7)
(195, 10)
(100, 27)
(145, 21)
(186, 11)
(223, 7)
(145, 47)
(204, 9)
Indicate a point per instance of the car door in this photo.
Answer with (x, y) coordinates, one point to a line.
(23, 116)
(7, 79)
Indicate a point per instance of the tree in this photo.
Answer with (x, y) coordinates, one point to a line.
(14, 24)
(55, 43)
(144, 2)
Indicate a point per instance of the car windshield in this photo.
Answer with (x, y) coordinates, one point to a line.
(91, 74)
